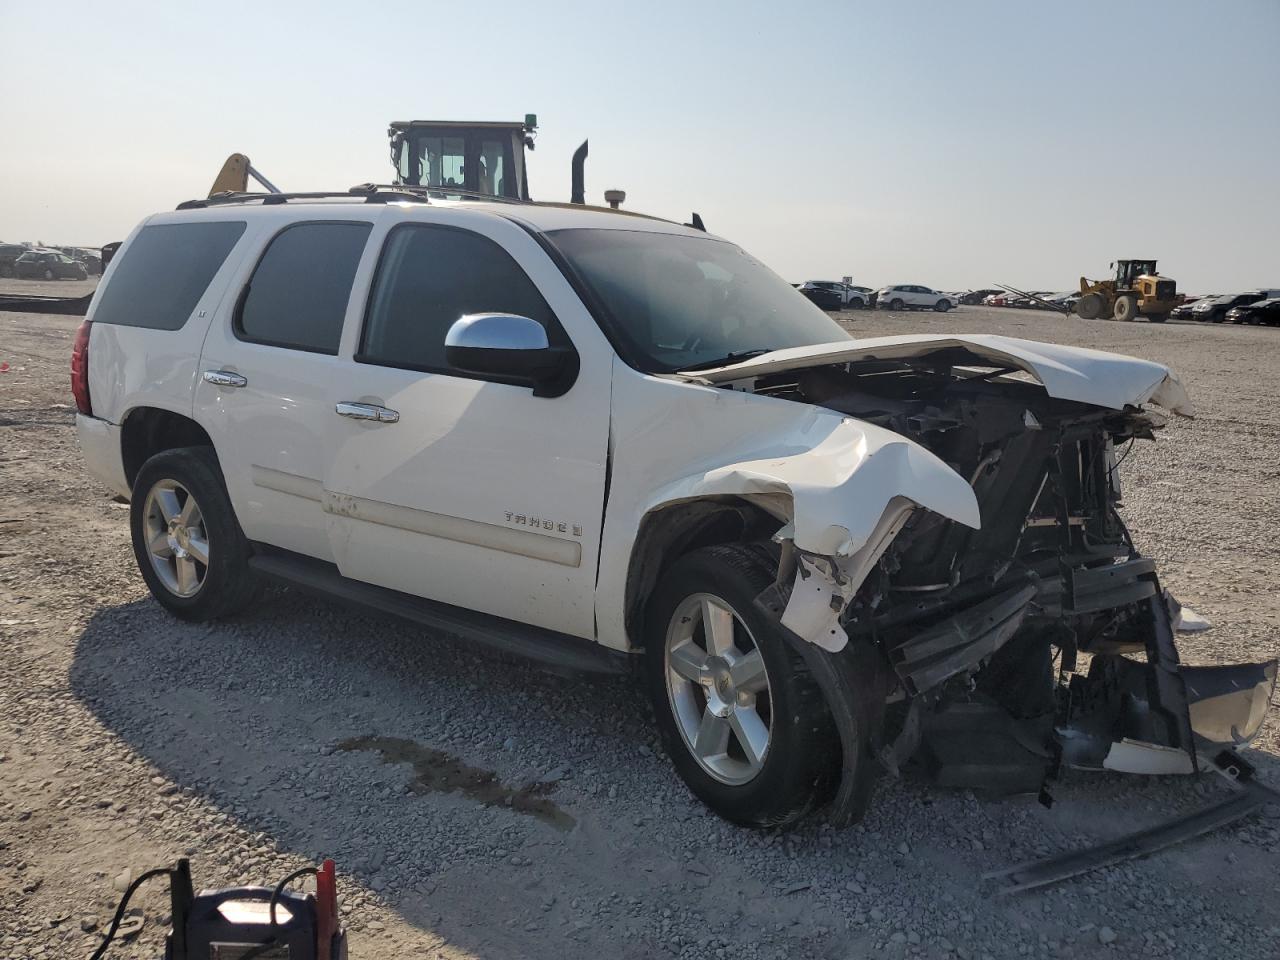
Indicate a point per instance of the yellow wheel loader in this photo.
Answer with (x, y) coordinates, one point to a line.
(1137, 290)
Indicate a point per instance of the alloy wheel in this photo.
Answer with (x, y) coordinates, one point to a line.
(719, 689)
(176, 540)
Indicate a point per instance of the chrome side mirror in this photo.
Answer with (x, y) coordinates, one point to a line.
(510, 349)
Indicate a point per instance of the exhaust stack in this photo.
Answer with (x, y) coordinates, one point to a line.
(578, 192)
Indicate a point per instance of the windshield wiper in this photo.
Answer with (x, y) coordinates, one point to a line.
(735, 356)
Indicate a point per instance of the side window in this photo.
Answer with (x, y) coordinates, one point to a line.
(297, 296)
(493, 171)
(164, 272)
(442, 160)
(428, 277)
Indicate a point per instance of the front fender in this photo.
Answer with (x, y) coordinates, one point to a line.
(835, 493)
(842, 502)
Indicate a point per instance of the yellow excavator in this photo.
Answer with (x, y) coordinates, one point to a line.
(451, 158)
(1137, 290)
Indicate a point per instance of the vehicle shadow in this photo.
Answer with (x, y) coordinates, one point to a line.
(294, 722)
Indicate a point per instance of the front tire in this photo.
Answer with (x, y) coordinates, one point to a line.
(742, 720)
(1126, 308)
(188, 544)
(895, 304)
(942, 306)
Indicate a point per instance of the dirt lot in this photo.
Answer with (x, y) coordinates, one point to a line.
(128, 739)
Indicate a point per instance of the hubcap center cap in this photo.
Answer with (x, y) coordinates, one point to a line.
(721, 693)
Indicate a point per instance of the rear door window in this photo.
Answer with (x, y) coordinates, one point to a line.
(297, 296)
(164, 273)
(428, 277)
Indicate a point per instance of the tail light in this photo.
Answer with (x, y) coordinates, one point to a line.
(80, 369)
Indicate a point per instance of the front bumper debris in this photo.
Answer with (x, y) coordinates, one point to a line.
(1247, 798)
(1226, 706)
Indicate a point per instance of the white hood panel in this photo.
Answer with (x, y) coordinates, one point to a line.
(1103, 379)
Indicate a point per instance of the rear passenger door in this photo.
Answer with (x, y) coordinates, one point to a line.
(269, 377)
(470, 491)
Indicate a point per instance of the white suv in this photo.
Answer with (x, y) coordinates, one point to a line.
(905, 295)
(597, 438)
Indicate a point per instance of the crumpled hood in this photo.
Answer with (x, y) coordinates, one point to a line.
(1103, 379)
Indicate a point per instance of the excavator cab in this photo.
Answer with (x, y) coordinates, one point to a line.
(1128, 272)
(471, 158)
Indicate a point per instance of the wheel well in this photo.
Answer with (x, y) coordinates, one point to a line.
(148, 431)
(671, 531)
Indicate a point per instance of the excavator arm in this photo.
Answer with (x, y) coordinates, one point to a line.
(234, 177)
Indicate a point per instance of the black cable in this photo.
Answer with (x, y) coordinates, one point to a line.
(124, 904)
(274, 939)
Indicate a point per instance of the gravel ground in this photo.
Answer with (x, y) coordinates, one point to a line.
(128, 739)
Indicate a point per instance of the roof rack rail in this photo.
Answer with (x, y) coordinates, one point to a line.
(442, 192)
(370, 193)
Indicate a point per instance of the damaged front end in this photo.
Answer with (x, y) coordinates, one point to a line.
(1042, 637)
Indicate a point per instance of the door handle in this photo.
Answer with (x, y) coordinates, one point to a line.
(365, 411)
(224, 378)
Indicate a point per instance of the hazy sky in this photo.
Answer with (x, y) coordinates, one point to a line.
(950, 144)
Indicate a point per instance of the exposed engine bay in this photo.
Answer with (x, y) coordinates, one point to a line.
(1043, 638)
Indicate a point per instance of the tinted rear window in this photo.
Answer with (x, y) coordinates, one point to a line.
(164, 272)
(298, 294)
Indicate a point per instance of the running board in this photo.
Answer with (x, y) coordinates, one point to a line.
(1248, 798)
(558, 651)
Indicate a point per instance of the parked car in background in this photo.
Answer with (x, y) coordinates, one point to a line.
(904, 296)
(83, 255)
(850, 297)
(822, 297)
(48, 265)
(1214, 309)
(1183, 311)
(9, 252)
(975, 297)
(1263, 312)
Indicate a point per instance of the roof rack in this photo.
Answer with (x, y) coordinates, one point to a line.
(439, 192)
(369, 192)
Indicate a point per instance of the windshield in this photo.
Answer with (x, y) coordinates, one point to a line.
(678, 301)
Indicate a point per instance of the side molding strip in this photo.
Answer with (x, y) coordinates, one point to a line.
(282, 482)
(524, 543)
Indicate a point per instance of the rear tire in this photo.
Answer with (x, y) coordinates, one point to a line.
(745, 725)
(48, 274)
(1126, 308)
(1090, 306)
(1157, 317)
(188, 544)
